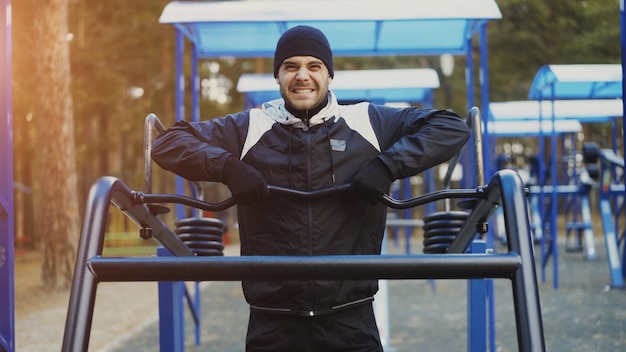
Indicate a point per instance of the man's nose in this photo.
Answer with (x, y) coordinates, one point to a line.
(303, 73)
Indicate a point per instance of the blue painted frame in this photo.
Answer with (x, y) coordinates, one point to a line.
(7, 307)
(623, 46)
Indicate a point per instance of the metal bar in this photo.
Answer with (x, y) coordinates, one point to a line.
(282, 268)
(106, 191)
(478, 146)
(152, 126)
(483, 209)
(519, 240)
(123, 198)
(83, 291)
(387, 200)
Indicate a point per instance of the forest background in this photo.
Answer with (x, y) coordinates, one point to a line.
(87, 72)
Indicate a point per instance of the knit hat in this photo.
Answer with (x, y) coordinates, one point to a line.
(303, 41)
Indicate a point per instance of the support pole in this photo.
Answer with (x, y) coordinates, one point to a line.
(7, 305)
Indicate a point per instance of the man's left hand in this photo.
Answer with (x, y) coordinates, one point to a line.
(372, 181)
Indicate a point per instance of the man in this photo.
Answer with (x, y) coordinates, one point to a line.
(307, 141)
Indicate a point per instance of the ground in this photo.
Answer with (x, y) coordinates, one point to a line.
(581, 315)
(121, 310)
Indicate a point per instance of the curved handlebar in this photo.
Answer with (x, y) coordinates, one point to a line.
(140, 197)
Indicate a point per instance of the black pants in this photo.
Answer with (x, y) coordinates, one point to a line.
(352, 329)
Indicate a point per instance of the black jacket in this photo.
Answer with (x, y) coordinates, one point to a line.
(328, 151)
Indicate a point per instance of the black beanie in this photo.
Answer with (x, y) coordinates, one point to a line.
(303, 41)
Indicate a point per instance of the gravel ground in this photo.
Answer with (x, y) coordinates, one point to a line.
(581, 315)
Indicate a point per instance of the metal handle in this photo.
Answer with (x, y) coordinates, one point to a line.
(140, 197)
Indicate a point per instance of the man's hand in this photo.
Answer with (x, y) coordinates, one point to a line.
(372, 181)
(245, 183)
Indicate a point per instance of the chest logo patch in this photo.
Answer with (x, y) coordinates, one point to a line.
(338, 145)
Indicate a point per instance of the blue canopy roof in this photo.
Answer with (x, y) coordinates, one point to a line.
(584, 110)
(583, 81)
(379, 86)
(251, 28)
(530, 128)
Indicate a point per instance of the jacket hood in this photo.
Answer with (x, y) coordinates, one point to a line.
(278, 112)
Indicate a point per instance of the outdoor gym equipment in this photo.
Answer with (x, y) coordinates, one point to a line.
(567, 183)
(613, 212)
(553, 87)
(440, 228)
(504, 190)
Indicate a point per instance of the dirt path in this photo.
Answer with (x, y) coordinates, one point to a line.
(121, 310)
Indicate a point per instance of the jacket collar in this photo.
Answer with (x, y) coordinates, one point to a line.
(277, 111)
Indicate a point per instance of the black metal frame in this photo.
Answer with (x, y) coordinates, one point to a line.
(505, 189)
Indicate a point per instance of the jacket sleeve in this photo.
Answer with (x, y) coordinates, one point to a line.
(413, 140)
(197, 151)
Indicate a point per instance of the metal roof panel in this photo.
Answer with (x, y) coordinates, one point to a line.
(578, 81)
(251, 28)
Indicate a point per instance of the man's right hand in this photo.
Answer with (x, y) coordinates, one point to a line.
(245, 183)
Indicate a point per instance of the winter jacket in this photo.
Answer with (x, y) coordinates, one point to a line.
(325, 152)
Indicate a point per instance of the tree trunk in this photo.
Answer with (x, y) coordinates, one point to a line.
(58, 220)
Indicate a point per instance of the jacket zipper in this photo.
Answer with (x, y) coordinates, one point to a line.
(309, 211)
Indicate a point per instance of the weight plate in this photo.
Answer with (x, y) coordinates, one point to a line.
(199, 237)
(439, 239)
(449, 215)
(437, 248)
(438, 232)
(208, 252)
(200, 222)
(443, 223)
(199, 229)
(204, 244)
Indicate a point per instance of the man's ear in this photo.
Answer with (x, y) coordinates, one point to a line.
(277, 81)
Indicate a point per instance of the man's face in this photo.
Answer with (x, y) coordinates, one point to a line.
(303, 81)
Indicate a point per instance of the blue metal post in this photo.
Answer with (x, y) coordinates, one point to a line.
(172, 294)
(484, 96)
(623, 46)
(171, 313)
(180, 100)
(477, 307)
(467, 156)
(488, 156)
(195, 85)
(553, 198)
(7, 308)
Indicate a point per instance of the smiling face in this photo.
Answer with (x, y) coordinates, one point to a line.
(303, 81)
